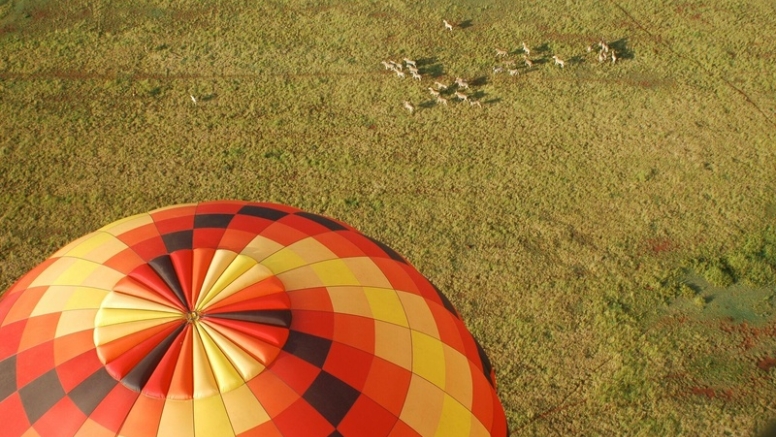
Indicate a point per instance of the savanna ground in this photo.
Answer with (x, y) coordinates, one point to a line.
(607, 231)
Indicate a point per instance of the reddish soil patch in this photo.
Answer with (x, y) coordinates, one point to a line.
(766, 363)
(750, 335)
(660, 245)
(710, 393)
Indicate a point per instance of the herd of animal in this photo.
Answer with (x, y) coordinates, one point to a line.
(459, 89)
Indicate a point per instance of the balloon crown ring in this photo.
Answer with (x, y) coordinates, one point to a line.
(193, 316)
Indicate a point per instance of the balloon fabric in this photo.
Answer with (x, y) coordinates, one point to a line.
(233, 318)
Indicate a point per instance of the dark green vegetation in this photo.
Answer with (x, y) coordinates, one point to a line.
(607, 231)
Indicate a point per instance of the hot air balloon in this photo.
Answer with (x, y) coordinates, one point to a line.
(232, 318)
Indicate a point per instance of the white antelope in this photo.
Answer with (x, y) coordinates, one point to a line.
(528, 62)
(433, 92)
(448, 26)
(386, 65)
(400, 74)
(193, 99)
(497, 70)
(604, 46)
(461, 96)
(408, 106)
(441, 100)
(558, 61)
(475, 103)
(396, 66)
(440, 86)
(513, 72)
(526, 50)
(412, 69)
(501, 53)
(601, 56)
(415, 76)
(461, 83)
(410, 62)
(614, 57)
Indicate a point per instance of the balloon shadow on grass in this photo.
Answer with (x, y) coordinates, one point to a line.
(769, 430)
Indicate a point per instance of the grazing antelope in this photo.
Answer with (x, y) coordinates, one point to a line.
(526, 50)
(440, 86)
(409, 107)
(386, 65)
(396, 66)
(461, 96)
(589, 49)
(475, 103)
(461, 83)
(558, 61)
(614, 57)
(412, 69)
(604, 46)
(415, 76)
(400, 74)
(497, 70)
(501, 53)
(433, 92)
(513, 72)
(601, 56)
(193, 99)
(410, 62)
(441, 100)
(528, 62)
(448, 26)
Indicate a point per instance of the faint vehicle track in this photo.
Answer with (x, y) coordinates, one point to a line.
(708, 72)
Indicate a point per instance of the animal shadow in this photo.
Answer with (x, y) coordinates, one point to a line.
(544, 48)
(492, 101)
(576, 60)
(478, 95)
(621, 47)
(426, 61)
(434, 70)
(465, 24)
(479, 81)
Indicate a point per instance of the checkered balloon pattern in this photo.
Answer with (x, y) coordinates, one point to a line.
(237, 319)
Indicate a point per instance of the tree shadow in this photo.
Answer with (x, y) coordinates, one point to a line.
(621, 48)
(465, 24)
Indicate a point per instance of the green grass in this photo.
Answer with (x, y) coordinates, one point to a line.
(607, 231)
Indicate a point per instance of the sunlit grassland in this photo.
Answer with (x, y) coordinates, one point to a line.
(607, 231)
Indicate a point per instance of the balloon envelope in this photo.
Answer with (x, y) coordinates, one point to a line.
(237, 319)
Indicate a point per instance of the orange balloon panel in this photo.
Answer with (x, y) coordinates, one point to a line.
(233, 318)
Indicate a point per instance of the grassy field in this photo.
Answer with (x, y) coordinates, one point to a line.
(608, 231)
